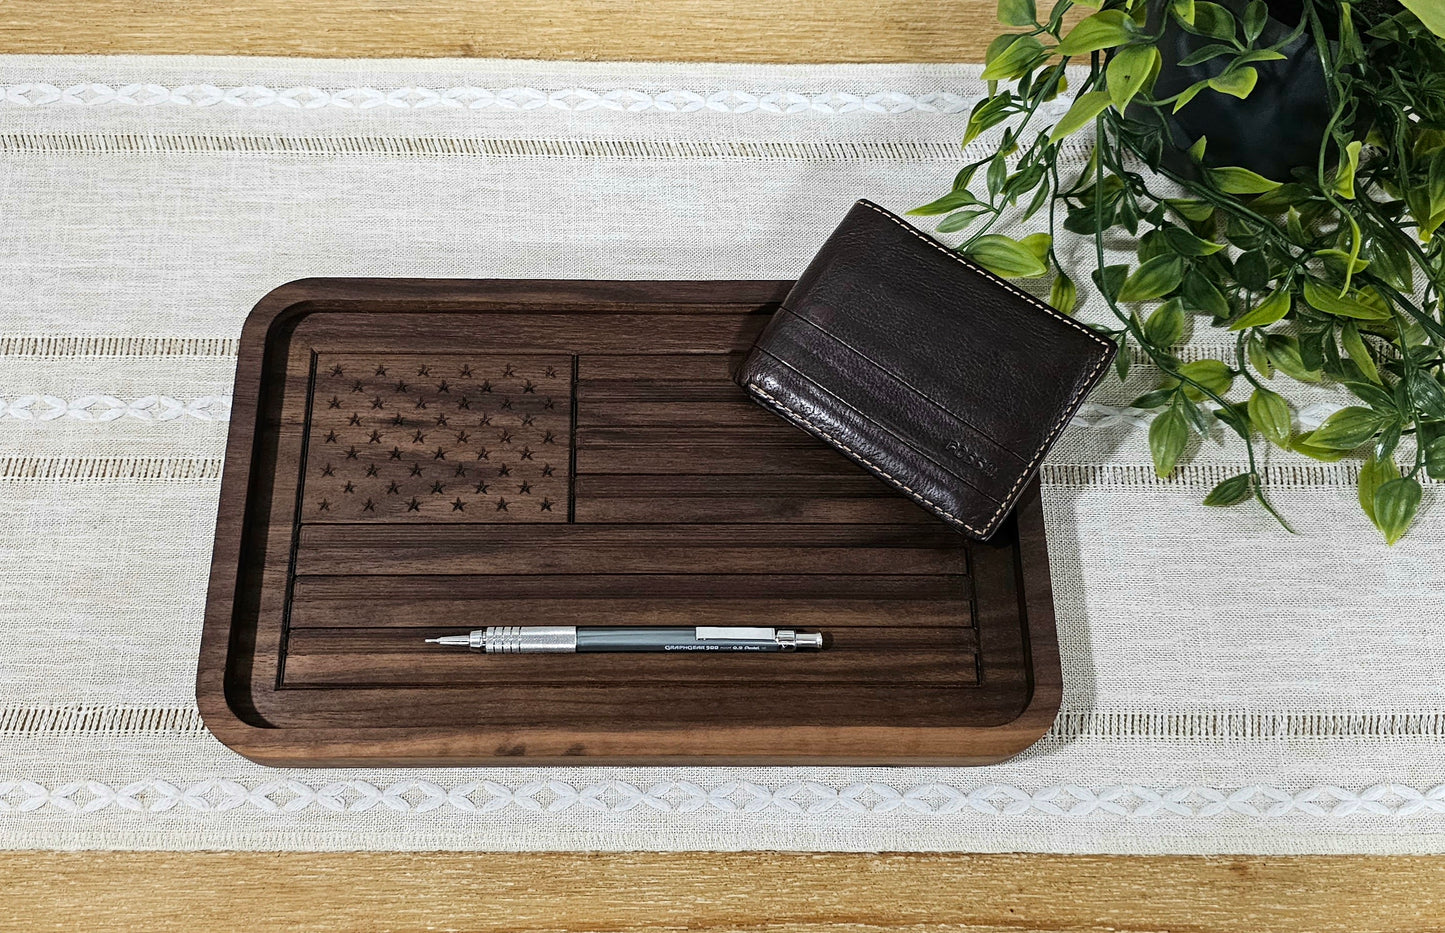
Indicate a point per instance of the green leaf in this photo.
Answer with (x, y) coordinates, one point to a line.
(1347, 428)
(1340, 261)
(1427, 395)
(1251, 270)
(1213, 375)
(1374, 474)
(1255, 17)
(1165, 327)
(1211, 19)
(1236, 83)
(1431, 13)
(1168, 433)
(1196, 151)
(1435, 185)
(1345, 176)
(1258, 358)
(1200, 295)
(1016, 12)
(1284, 355)
(1014, 60)
(1127, 71)
(1190, 209)
(1039, 244)
(1185, 96)
(1085, 109)
(959, 219)
(952, 201)
(1230, 492)
(1152, 279)
(1374, 396)
(1300, 445)
(1235, 180)
(1187, 244)
(1064, 294)
(1102, 30)
(1005, 256)
(1155, 399)
(1269, 413)
(1111, 279)
(1326, 299)
(1271, 309)
(1395, 505)
(1183, 10)
(986, 114)
(1205, 53)
(1358, 353)
(1435, 458)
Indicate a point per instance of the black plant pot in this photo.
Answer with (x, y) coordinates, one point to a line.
(1276, 129)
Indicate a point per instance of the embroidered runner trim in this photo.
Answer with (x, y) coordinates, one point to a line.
(1127, 802)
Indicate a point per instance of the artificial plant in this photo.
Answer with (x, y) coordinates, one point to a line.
(1334, 274)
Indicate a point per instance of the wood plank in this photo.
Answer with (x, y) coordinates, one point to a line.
(339, 892)
(629, 549)
(398, 604)
(746, 499)
(676, 712)
(670, 30)
(430, 588)
(934, 657)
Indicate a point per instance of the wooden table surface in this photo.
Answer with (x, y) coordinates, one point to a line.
(159, 891)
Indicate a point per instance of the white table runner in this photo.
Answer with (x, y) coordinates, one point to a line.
(1229, 688)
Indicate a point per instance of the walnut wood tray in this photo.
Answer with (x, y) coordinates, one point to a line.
(409, 458)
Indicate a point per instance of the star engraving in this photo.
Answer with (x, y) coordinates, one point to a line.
(328, 470)
(349, 487)
(501, 505)
(414, 505)
(330, 437)
(546, 504)
(458, 505)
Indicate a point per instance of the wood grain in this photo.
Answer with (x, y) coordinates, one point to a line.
(701, 892)
(454, 469)
(620, 30)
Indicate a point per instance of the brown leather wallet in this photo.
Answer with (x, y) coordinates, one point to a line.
(941, 378)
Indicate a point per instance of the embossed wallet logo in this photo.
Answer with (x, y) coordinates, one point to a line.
(972, 458)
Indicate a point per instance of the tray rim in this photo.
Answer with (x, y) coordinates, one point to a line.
(327, 746)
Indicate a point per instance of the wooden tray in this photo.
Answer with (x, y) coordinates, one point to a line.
(410, 458)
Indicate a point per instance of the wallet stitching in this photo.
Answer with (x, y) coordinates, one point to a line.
(911, 445)
(1068, 409)
(1007, 286)
(823, 433)
(914, 390)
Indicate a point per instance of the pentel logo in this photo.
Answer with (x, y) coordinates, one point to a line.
(957, 448)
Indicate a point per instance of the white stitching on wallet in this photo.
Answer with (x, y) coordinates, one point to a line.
(1063, 417)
